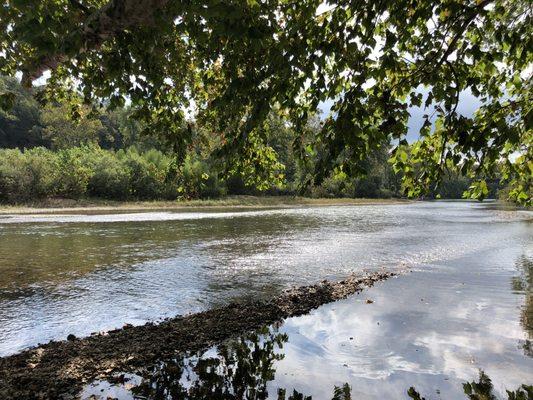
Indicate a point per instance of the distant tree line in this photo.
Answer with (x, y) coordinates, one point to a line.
(66, 149)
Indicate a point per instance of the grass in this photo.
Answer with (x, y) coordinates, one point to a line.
(62, 205)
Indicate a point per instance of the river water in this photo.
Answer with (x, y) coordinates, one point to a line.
(466, 305)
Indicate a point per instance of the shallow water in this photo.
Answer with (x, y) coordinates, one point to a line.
(433, 330)
(467, 305)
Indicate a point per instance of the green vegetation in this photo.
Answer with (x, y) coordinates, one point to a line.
(129, 174)
(103, 155)
(47, 153)
(232, 64)
(90, 171)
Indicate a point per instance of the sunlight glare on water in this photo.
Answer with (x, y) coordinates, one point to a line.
(62, 274)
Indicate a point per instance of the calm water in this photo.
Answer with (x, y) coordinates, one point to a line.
(467, 305)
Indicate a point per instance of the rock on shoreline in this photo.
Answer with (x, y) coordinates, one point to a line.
(58, 370)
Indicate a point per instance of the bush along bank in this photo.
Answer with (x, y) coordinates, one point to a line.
(90, 171)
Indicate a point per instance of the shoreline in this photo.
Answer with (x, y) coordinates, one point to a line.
(60, 369)
(54, 206)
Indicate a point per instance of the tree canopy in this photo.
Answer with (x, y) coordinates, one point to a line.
(233, 62)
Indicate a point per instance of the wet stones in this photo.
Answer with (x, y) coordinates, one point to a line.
(59, 369)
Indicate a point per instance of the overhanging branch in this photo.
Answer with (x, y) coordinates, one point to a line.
(102, 25)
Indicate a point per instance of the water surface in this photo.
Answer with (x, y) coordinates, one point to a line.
(466, 305)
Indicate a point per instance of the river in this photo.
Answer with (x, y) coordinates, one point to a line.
(466, 304)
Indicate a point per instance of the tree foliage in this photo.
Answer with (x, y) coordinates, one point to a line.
(20, 124)
(238, 60)
(64, 132)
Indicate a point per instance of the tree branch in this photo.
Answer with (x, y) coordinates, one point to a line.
(461, 30)
(104, 24)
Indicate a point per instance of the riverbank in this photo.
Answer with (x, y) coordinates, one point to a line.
(60, 369)
(51, 206)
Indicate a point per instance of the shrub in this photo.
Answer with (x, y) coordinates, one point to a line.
(369, 187)
(73, 172)
(26, 175)
(14, 183)
(41, 169)
(77, 172)
(146, 179)
(111, 177)
(198, 179)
